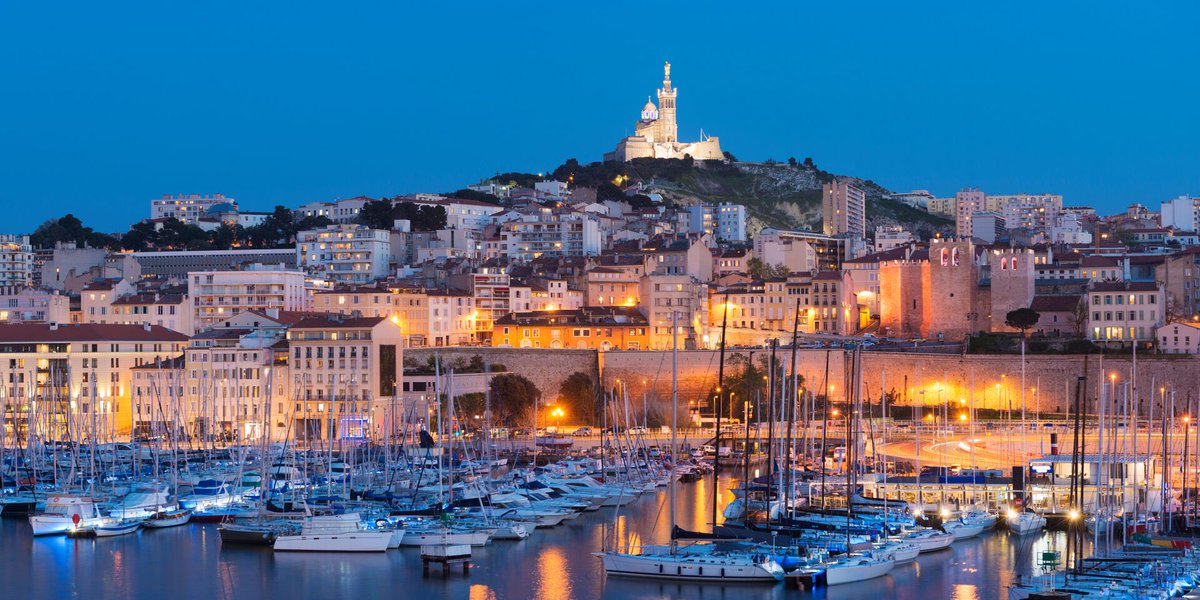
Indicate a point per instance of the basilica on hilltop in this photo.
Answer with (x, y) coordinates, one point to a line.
(656, 134)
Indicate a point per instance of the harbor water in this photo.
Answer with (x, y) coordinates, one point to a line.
(189, 562)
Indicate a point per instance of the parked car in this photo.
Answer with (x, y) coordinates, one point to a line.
(583, 431)
(637, 430)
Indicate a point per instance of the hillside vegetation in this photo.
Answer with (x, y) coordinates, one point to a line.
(779, 195)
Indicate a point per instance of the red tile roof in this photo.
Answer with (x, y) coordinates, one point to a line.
(87, 332)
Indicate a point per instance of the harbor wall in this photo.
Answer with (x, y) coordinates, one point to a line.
(989, 380)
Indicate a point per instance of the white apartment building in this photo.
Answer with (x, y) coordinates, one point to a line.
(16, 261)
(550, 232)
(891, 236)
(1124, 311)
(188, 208)
(726, 221)
(338, 211)
(349, 254)
(1027, 211)
(1182, 213)
(218, 295)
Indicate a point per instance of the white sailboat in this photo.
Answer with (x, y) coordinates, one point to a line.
(1025, 522)
(858, 568)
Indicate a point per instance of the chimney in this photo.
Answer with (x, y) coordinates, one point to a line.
(53, 326)
(146, 327)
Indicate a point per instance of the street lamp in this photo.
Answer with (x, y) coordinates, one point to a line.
(557, 413)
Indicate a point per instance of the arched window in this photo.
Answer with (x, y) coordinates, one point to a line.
(954, 257)
(1003, 264)
(1014, 263)
(945, 257)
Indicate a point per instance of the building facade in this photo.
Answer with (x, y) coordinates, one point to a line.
(346, 254)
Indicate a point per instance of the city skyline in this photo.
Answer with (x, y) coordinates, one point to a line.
(287, 107)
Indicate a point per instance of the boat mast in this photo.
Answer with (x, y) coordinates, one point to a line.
(674, 420)
(720, 408)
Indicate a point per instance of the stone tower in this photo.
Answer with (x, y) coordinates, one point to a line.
(1012, 276)
(668, 130)
(952, 284)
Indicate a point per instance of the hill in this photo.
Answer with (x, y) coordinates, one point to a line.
(779, 195)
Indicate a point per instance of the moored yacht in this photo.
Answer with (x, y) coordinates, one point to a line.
(334, 533)
(714, 567)
(66, 512)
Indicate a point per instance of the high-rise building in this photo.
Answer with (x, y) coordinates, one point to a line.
(967, 202)
(345, 253)
(844, 209)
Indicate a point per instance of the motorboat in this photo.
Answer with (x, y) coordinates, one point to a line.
(66, 512)
(855, 568)
(695, 567)
(334, 533)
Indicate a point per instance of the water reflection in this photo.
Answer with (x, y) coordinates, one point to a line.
(551, 564)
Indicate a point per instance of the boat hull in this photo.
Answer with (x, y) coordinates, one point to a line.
(690, 568)
(360, 541)
(840, 574)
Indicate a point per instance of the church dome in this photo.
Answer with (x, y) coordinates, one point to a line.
(649, 111)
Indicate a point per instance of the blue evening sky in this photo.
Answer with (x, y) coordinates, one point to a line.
(106, 105)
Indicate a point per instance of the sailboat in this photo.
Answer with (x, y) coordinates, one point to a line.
(860, 567)
(677, 565)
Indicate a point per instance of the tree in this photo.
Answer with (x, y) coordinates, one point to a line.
(70, 229)
(761, 270)
(377, 214)
(470, 194)
(578, 393)
(791, 161)
(420, 216)
(1023, 319)
(513, 397)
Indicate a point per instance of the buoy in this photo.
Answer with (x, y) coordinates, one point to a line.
(75, 518)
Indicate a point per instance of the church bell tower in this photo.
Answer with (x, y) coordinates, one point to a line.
(666, 109)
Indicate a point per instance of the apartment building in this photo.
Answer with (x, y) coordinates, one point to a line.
(65, 382)
(1124, 312)
(592, 327)
(345, 371)
(218, 295)
(346, 254)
